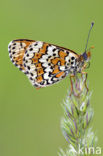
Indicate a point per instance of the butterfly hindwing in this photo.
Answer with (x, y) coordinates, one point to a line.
(17, 50)
(46, 64)
(43, 63)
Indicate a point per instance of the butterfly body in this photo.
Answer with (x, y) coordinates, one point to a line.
(43, 63)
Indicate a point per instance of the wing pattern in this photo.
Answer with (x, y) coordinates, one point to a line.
(43, 63)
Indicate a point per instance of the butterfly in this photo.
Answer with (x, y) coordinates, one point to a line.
(45, 64)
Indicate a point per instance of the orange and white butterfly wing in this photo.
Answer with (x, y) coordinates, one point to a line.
(43, 63)
(47, 64)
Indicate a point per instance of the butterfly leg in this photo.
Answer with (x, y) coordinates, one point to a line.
(86, 75)
(72, 90)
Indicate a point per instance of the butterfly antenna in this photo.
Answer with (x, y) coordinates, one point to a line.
(89, 35)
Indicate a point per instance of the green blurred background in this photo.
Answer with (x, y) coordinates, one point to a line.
(30, 118)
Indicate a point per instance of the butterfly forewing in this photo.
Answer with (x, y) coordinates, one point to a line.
(43, 63)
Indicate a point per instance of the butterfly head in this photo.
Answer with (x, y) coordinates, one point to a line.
(84, 59)
(86, 56)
